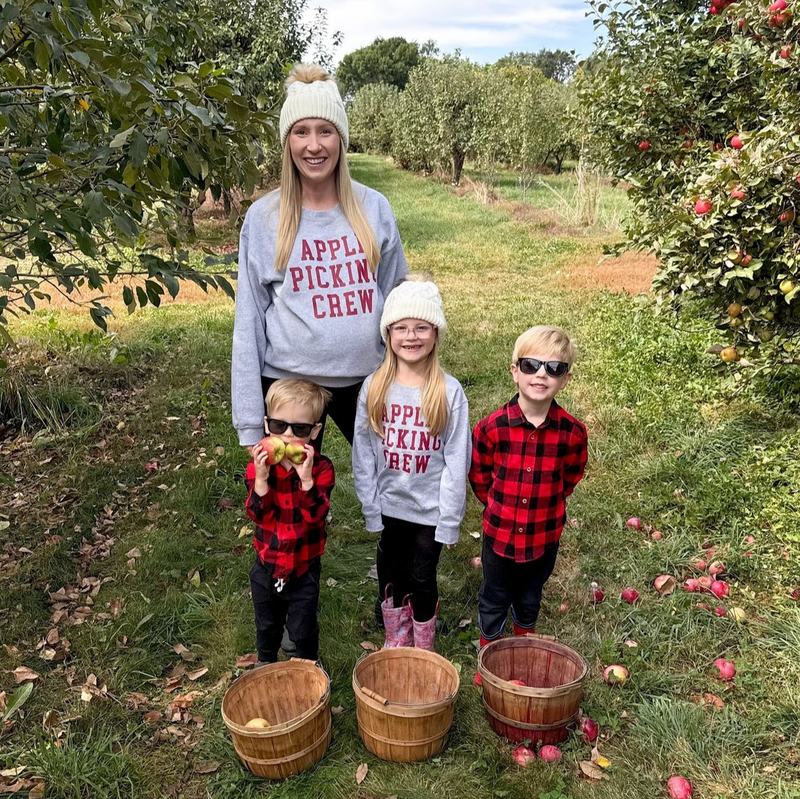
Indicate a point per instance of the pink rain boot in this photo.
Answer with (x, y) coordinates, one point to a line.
(397, 621)
(425, 631)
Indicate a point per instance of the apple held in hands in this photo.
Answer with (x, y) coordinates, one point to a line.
(296, 452)
(275, 449)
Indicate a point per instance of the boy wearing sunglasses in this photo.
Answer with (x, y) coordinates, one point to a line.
(288, 502)
(527, 458)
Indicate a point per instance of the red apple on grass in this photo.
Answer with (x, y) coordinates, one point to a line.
(726, 668)
(476, 562)
(635, 523)
(550, 754)
(679, 788)
(720, 589)
(597, 595)
(629, 595)
(615, 674)
(589, 729)
(275, 449)
(523, 756)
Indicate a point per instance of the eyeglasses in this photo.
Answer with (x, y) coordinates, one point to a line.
(530, 366)
(299, 429)
(420, 331)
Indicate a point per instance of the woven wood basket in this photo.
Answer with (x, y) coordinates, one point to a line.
(548, 703)
(405, 699)
(294, 697)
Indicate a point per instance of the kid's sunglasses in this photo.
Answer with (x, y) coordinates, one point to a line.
(299, 429)
(530, 366)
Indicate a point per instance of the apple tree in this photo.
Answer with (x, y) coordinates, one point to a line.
(373, 117)
(104, 120)
(695, 106)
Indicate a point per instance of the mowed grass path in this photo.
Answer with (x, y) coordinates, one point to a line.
(667, 445)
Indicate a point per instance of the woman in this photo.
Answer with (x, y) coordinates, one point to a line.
(316, 259)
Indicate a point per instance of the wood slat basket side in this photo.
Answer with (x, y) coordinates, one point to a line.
(544, 708)
(405, 700)
(294, 697)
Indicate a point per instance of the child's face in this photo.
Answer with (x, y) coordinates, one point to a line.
(293, 413)
(539, 387)
(412, 340)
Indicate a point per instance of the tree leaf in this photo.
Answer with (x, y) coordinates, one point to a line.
(361, 773)
(17, 700)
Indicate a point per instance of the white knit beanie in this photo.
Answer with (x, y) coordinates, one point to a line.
(312, 94)
(414, 299)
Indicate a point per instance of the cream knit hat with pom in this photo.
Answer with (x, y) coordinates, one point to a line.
(312, 94)
(415, 298)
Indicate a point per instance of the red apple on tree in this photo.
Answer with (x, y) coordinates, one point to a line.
(643, 145)
(702, 207)
(736, 142)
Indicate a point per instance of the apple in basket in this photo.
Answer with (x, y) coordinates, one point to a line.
(258, 723)
(518, 682)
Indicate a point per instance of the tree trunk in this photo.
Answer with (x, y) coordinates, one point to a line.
(186, 210)
(458, 165)
(227, 203)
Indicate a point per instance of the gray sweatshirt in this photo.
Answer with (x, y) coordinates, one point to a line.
(410, 474)
(317, 319)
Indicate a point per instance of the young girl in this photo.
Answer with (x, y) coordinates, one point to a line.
(411, 453)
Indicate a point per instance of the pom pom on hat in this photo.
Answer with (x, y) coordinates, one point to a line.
(312, 94)
(415, 298)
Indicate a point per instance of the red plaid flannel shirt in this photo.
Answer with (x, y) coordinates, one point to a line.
(523, 474)
(290, 523)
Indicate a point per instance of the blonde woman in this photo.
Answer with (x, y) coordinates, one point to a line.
(316, 259)
(411, 455)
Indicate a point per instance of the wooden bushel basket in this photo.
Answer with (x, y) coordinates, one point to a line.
(405, 699)
(548, 703)
(295, 698)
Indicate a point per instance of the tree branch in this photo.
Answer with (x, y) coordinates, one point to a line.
(14, 47)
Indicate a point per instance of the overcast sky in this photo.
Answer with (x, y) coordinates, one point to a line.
(484, 30)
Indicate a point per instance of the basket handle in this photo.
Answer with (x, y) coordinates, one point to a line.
(540, 637)
(375, 695)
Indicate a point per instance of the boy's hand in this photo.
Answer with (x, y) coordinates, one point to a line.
(305, 468)
(262, 469)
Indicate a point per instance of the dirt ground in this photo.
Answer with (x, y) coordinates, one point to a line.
(632, 273)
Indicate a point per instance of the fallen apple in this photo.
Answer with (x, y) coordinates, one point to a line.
(704, 582)
(635, 523)
(726, 668)
(720, 589)
(749, 539)
(597, 595)
(563, 607)
(275, 449)
(632, 644)
(690, 585)
(699, 564)
(615, 674)
(656, 535)
(295, 452)
(629, 595)
(730, 354)
(258, 723)
(719, 610)
(717, 567)
(703, 606)
(679, 788)
(476, 562)
(738, 615)
(589, 729)
(523, 756)
(550, 754)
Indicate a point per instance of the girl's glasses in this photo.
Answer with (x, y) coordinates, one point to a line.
(420, 331)
(299, 429)
(530, 366)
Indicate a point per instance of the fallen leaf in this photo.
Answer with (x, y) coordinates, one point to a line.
(134, 553)
(603, 762)
(38, 789)
(152, 716)
(244, 531)
(330, 582)
(222, 681)
(196, 675)
(135, 700)
(219, 451)
(369, 646)
(186, 699)
(172, 685)
(226, 504)
(337, 710)
(12, 772)
(361, 773)
(116, 606)
(592, 770)
(464, 623)
(372, 574)
(667, 587)
(206, 768)
(24, 674)
(180, 649)
(476, 536)
(713, 699)
(194, 577)
(365, 627)
(246, 661)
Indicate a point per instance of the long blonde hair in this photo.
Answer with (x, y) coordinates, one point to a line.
(434, 390)
(290, 206)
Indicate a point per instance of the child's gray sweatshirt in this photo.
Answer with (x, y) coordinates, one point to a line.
(410, 474)
(317, 319)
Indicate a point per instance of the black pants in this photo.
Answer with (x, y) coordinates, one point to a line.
(508, 584)
(407, 558)
(295, 606)
(341, 408)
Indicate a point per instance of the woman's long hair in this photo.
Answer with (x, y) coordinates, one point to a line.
(434, 391)
(290, 209)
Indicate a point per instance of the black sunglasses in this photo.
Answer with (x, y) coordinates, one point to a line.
(299, 429)
(530, 366)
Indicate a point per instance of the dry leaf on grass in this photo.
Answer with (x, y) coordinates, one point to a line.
(38, 789)
(134, 553)
(331, 582)
(369, 646)
(361, 773)
(666, 587)
(713, 699)
(337, 710)
(246, 661)
(180, 649)
(591, 770)
(206, 768)
(152, 717)
(196, 675)
(476, 536)
(24, 674)
(464, 623)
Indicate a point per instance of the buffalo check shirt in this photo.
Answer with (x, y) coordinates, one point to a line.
(523, 474)
(290, 522)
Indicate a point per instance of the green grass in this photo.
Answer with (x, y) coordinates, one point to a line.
(669, 443)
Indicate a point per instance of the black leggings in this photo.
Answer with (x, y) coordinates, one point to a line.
(407, 558)
(341, 408)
